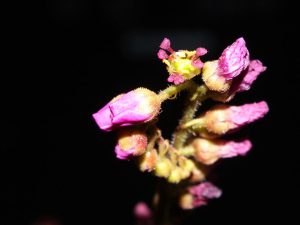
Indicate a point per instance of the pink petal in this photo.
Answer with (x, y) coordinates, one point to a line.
(137, 106)
(203, 192)
(103, 118)
(254, 70)
(233, 148)
(234, 59)
(123, 155)
(245, 114)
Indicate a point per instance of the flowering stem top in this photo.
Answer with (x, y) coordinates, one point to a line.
(197, 143)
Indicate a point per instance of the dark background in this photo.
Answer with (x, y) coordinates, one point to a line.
(67, 58)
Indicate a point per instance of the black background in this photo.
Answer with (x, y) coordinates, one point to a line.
(67, 58)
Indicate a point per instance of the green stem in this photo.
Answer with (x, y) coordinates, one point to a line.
(196, 95)
(171, 91)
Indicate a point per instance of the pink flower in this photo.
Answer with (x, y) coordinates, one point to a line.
(218, 74)
(141, 210)
(209, 151)
(138, 106)
(131, 142)
(181, 65)
(223, 118)
(143, 214)
(199, 195)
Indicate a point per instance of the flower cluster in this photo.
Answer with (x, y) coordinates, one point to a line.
(198, 141)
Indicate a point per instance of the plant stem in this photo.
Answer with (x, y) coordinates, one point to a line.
(162, 212)
(195, 96)
(172, 90)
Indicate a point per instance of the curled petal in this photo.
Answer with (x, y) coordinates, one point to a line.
(248, 113)
(203, 192)
(234, 59)
(254, 70)
(121, 154)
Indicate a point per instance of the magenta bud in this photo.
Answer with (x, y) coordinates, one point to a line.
(138, 106)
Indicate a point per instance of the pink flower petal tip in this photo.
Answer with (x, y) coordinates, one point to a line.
(223, 118)
(254, 70)
(234, 59)
(248, 113)
(234, 148)
(123, 155)
(203, 192)
(142, 211)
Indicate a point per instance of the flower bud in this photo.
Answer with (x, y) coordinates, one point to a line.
(131, 142)
(197, 175)
(148, 160)
(163, 168)
(175, 175)
(141, 210)
(209, 151)
(138, 106)
(212, 79)
(217, 75)
(186, 167)
(143, 214)
(242, 82)
(223, 118)
(234, 59)
(186, 201)
(199, 195)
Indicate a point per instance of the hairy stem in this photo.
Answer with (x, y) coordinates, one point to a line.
(172, 90)
(195, 97)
